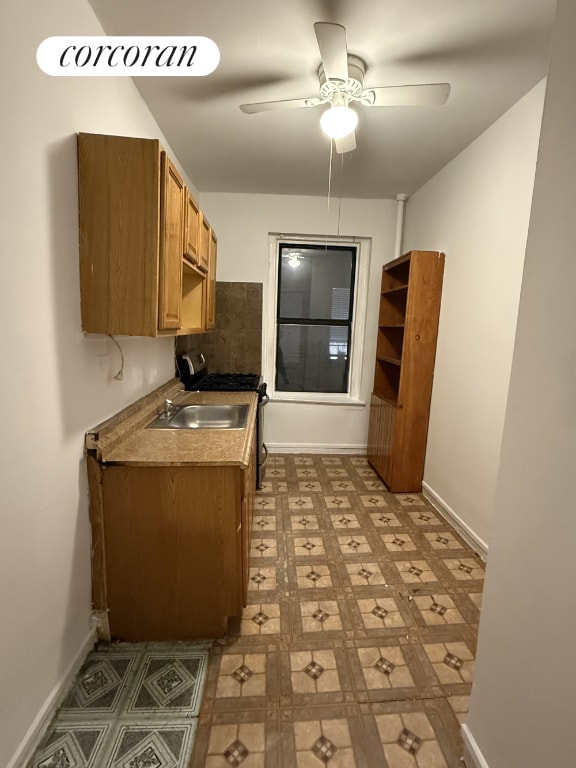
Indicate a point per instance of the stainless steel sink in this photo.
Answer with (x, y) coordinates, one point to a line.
(203, 416)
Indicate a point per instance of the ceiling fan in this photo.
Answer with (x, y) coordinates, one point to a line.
(341, 78)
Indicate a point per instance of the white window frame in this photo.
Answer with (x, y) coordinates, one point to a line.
(363, 251)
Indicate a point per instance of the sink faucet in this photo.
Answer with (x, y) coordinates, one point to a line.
(168, 409)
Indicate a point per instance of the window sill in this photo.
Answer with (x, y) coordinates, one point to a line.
(301, 399)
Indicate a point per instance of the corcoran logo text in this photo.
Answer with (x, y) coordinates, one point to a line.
(128, 56)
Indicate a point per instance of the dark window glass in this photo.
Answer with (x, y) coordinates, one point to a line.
(314, 322)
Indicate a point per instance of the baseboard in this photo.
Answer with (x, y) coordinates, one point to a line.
(470, 536)
(30, 742)
(316, 448)
(473, 757)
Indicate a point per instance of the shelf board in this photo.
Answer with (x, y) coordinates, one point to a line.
(399, 262)
(191, 267)
(389, 359)
(393, 401)
(392, 325)
(396, 289)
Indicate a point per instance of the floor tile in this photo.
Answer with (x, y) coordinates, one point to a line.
(261, 619)
(250, 738)
(309, 546)
(101, 684)
(443, 540)
(320, 616)
(415, 734)
(169, 684)
(313, 576)
(379, 613)
(329, 736)
(263, 547)
(236, 744)
(374, 500)
(366, 573)
(74, 745)
(158, 745)
(415, 571)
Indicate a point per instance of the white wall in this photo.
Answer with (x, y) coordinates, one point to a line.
(243, 223)
(524, 695)
(55, 382)
(476, 210)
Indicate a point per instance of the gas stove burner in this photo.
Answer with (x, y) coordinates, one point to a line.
(194, 375)
(229, 382)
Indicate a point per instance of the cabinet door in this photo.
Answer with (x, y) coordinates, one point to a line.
(172, 559)
(171, 246)
(381, 435)
(119, 181)
(192, 229)
(211, 282)
(204, 244)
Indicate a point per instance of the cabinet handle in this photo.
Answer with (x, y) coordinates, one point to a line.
(239, 527)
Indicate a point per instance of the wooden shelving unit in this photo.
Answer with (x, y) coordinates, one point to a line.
(405, 352)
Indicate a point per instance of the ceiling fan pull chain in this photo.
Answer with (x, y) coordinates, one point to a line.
(328, 200)
(340, 197)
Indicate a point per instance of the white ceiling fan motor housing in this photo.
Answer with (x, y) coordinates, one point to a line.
(352, 88)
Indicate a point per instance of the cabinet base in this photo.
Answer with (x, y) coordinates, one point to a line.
(391, 483)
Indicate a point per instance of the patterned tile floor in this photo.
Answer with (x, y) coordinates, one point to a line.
(131, 706)
(356, 649)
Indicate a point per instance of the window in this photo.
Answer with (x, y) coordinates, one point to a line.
(314, 321)
(314, 345)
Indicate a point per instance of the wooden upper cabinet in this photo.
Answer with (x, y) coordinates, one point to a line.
(119, 216)
(140, 236)
(204, 244)
(171, 245)
(192, 229)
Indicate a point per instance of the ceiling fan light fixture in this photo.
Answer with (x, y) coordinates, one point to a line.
(339, 121)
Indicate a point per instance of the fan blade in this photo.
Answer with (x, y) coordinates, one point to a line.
(410, 95)
(269, 106)
(333, 50)
(347, 144)
(201, 91)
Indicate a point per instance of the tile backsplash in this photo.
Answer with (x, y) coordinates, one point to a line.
(235, 344)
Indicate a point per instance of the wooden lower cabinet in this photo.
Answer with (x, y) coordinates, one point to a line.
(396, 445)
(381, 437)
(172, 548)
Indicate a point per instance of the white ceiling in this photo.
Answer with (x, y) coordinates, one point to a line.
(491, 51)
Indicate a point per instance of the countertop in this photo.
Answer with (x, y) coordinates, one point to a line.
(124, 439)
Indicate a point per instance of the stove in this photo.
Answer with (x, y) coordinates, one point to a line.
(230, 382)
(194, 376)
